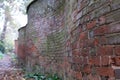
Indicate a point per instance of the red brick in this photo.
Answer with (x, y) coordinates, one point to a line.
(105, 71)
(85, 60)
(105, 60)
(75, 45)
(117, 50)
(101, 30)
(77, 67)
(78, 75)
(16, 46)
(33, 48)
(85, 52)
(91, 24)
(87, 69)
(96, 42)
(101, 51)
(105, 50)
(72, 72)
(116, 60)
(83, 36)
(76, 52)
(93, 42)
(109, 50)
(102, 40)
(78, 60)
(21, 51)
(83, 43)
(94, 61)
(90, 43)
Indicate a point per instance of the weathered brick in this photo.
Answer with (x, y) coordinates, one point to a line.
(102, 40)
(104, 77)
(96, 42)
(101, 20)
(105, 60)
(87, 17)
(117, 73)
(91, 24)
(78, 75)
(21, 51)
(105, 50)
(113, 16)
(113, 39)
(101, 30)
(77, 60)
(76, 52)
(85, 60)
(79, 5)
(83, 43)
(105, 71)
(94, 77)
(76, 67)
(116, 60)
(115, 4)
(75, 45)
(85, 77)
(79, 15)
(90, 43)
(94, 61)
(102, 10)
(85, 52)
(87, 69)
(114, 28)
(111, 78)
(84, 3)
(79, 41)
(83, 36)
(117, 50)
(73, 16)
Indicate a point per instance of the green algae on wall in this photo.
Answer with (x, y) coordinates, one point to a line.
(55, 42)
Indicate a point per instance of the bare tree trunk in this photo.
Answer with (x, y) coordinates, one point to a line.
(2, 37)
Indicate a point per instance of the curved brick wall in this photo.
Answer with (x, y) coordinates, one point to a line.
(20, 47)
(78, 39)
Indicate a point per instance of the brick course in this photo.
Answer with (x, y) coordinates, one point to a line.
(79, 40)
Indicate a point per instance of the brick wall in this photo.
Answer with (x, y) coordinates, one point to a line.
(20, 46)
(79, 39)
(16, 46)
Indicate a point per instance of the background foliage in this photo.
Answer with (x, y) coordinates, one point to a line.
(12, 17)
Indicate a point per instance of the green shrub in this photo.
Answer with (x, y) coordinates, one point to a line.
(2, 47)
(39, 76)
